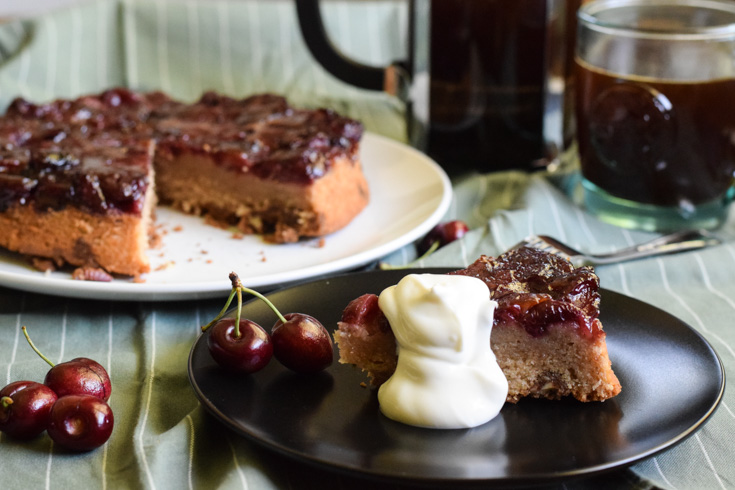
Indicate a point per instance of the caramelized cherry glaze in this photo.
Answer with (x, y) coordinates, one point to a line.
(94, 151)
(261, 134)
(364, 311)
(100, 176)
(534, 290)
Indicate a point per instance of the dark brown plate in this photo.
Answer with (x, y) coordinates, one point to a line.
(672, 382)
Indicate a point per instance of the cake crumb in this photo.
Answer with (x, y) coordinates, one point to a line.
(238, 235)
(43, 265)
(282, 234)
(91, 274)
(166, 265)
(178, 228)
(155, 240)
(363, 385)
(215, 222)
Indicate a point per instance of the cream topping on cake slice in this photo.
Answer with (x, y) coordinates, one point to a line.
(446, 376)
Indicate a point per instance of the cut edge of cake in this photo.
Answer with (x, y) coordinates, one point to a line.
(281, 212)
(115, 242)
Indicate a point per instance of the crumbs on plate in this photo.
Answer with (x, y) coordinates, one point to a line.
(166, 265)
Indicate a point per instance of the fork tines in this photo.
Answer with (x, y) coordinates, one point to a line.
(545, 244)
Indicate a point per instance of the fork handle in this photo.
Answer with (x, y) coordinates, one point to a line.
(679, 241)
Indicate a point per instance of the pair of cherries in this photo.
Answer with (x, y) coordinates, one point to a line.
(71, 404)
(298, 341)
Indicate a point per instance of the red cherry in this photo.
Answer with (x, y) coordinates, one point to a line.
(443, 234)
(302, 344)
(25, 407)
(80, 376)
(248, 353)
(80, 422)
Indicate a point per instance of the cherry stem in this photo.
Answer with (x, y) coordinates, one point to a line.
(222, 312)
(25, 332)
(238, 289)
(6, 401)
(239, 312)
(238, 285)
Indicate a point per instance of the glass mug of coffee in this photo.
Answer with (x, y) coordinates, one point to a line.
(483, 80)
(655, 110)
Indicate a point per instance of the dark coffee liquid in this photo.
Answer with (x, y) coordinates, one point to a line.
(665, 143)
(487, 72)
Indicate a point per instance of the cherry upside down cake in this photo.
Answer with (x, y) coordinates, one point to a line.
(79, 179)
(546, 335)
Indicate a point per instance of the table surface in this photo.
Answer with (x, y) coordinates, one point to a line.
(163, 438)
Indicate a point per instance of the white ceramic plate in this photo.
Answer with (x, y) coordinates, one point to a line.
(410, 193)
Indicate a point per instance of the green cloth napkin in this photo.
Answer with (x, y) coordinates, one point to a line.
(163, 438)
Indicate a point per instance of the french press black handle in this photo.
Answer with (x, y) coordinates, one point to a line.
(316, 39)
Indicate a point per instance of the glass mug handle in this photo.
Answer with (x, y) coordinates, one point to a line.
(397, 79)
(349, 71)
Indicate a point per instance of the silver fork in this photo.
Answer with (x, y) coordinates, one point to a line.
(675, 242)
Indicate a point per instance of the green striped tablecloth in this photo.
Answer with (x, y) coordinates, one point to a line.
(163, 438)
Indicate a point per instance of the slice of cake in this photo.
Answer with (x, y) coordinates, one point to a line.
(77, 176)
(86, 209)
(546, 336)
(77, 181)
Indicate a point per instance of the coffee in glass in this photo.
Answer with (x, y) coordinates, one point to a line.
(655, 82)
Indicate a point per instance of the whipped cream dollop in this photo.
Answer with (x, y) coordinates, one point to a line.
(447, 376)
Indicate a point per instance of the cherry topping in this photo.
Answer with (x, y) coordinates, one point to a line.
(442, 234)
(301, 343)
(535, 288)
(365, 310)
(80, 422)
(80, 376)
(25, 407)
